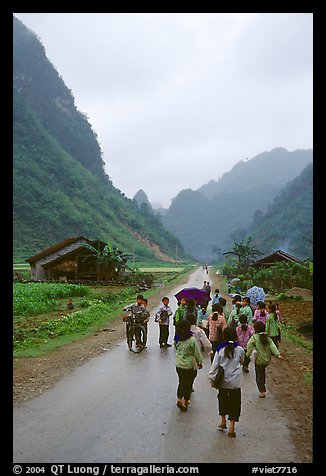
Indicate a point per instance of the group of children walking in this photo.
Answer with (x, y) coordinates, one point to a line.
(229, 336)
(234, 335)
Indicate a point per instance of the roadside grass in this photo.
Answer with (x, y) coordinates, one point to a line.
(65, 329)
(42, 321)
(290, 334)
(41, 317)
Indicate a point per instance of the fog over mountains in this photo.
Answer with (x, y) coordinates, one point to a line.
(207, 221)
(61, 189)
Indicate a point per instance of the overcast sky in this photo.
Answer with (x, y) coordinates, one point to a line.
(177, 99)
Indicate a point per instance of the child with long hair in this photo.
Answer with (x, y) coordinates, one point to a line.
(260, 313)
(265, 348)
(273, 325)
(244, 332)
(188, 360)
(233, 319)
(230, 356)
(246, 308)
(216, 325)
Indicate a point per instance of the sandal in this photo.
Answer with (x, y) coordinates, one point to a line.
(262, 395)
(221, 427)
(181, 406)
(232, 434)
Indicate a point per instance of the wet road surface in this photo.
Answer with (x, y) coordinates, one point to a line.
(120, 407)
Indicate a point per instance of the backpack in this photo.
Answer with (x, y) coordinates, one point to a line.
(164, 315)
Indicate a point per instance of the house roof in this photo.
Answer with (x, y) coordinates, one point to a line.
(67, 255)
(278, 255)
(56, 247)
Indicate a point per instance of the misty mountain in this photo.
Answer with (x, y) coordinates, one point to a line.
(207, 221)
(141, 198)
(288, 222)
(269, 169)
(60, 187)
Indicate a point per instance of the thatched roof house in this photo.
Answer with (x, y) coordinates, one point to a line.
(278, 257)
(66, 260)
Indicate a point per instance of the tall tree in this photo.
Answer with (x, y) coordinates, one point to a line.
(245, 253)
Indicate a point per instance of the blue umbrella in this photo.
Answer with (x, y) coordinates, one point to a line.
(256, 294)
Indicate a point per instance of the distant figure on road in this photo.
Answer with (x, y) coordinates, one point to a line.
(204, 286)
(208, 288)
(216, 297)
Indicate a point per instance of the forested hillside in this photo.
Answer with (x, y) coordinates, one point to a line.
(271, 169)
(208, 221)
(60, 187)
(288, 222)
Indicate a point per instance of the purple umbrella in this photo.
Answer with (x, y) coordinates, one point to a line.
(194, 293)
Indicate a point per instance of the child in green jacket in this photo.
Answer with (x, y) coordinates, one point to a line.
(265, 348)
(188, 360)
(180, 311)
(273, 325)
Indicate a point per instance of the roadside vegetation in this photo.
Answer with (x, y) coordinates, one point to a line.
(276, 281)
(42, 320)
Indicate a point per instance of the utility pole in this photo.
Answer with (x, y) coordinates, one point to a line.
(176, 251)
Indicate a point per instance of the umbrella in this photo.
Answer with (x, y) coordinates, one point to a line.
(194, 293)
(256, 294)
(235, 280)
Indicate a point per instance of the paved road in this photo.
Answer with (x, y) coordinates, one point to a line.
(121, 408)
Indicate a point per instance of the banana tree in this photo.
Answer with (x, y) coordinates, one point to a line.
(245, 254)
(109, 261)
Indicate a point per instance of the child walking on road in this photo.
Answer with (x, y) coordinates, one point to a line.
(260, 313)
(188, 359)
(230, 356)
(216, 325)
(265, 348)
(244, 332)
(273, 325)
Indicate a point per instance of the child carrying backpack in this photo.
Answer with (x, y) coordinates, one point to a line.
(163, 318)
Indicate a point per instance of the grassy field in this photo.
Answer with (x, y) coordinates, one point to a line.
(41, 320)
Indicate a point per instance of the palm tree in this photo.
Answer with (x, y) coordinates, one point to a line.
(245, 253)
